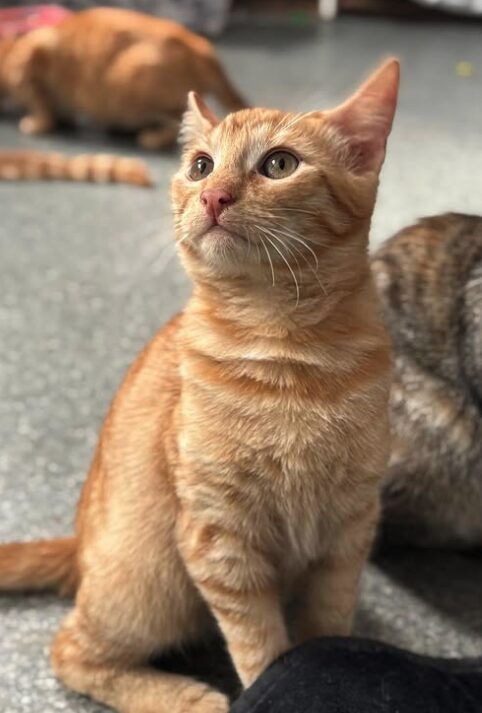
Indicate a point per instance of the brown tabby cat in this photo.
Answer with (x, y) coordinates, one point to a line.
(121, 69)
(241, 459)
(429, 277)
(18, 165)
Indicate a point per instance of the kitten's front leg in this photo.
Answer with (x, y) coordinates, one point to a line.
(239, 586)
(329, 591)
(35, 124)
(40, 119)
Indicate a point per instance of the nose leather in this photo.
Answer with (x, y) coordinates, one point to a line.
(215, 200)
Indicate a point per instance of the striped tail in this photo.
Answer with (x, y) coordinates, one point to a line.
(223, 89)
(42, 565)
(93, 168)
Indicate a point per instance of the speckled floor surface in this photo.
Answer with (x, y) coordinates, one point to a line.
(87, 273)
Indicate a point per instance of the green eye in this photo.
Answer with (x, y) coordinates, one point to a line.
(279, 164)
(201, 168)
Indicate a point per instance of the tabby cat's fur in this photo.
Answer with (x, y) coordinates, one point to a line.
(429, 277)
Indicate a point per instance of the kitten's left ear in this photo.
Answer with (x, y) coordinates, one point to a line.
(197, 119)
(365, 120)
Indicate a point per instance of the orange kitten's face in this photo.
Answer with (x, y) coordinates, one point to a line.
(267, 189)
(250, 186)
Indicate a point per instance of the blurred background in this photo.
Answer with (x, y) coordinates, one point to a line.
(88, 273)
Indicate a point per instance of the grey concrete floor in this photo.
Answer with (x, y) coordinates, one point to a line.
(88, 273)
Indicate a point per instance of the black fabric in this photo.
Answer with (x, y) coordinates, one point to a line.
(360, 676)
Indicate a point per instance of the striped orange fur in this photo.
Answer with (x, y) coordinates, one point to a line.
(239, 465)
(27, 165)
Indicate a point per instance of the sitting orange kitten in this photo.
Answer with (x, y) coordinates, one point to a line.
(122, 69)
(240, 463)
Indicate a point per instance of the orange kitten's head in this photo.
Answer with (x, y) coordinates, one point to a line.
(266, 192)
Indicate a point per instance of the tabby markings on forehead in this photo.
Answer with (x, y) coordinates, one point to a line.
(244, 149)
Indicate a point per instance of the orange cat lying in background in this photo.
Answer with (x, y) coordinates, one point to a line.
(239, 465)
(120, 68)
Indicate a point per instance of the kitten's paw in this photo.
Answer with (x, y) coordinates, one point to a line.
(34, 125)
(202, 699)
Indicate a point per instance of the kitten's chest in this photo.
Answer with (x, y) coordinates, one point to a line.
(298, 472)
(286, 456)
(306, 493)
(289, 432)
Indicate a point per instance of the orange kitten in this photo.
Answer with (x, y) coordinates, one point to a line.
(240, 463)
(120, 68)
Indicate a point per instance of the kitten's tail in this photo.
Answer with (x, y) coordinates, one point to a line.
(219, 84)
(42, 565)
(96, 168)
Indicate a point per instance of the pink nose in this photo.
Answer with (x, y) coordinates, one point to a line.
(215, 201)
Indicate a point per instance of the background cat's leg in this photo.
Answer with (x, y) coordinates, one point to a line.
(239, 587)
(32, 65)
(329, 591)
(40, 118)
(160, 138)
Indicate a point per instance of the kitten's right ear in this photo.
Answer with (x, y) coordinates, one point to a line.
(198, 119)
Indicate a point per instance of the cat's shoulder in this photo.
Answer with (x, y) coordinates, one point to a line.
(436, 232)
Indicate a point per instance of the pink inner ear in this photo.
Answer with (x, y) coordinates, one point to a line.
(197, 120)
(197, 105)
(365, 120)
(367, 137)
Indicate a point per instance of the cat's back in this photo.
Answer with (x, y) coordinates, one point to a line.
(122, 68)
(430, 259)
(116, 23)
(111, 52)
(429, 278)
(421, 275)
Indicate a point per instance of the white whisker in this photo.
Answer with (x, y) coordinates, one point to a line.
(310, 267)
(280, 222)
(292, 236)
(279, 218)
(296, 210)
(248, 229)
(290, 252)
(269, 258)
(288, 266)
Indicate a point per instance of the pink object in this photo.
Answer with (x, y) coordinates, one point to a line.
(16, 21)
(215, 201)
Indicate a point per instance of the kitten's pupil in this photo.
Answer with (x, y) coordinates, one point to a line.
(282, 163)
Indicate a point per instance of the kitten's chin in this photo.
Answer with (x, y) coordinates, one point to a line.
(219, 237)
(218, 253)
(220, 246)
